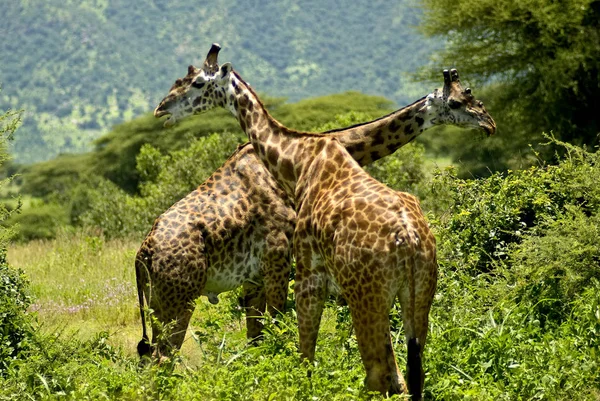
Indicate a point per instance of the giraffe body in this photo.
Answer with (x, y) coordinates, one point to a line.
(375, 245)
(199, 91)
(200, 246)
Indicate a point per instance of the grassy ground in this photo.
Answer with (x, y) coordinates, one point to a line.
(83, 284)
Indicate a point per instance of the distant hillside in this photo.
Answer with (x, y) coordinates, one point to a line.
(80, 67)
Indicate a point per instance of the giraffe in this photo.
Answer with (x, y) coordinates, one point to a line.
(352, 232)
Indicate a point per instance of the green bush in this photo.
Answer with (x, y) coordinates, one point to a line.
(16, 327)
(167, 178)
(559, 263)
(15, 323)
(486, 342)
(39, 221)
(483, 217)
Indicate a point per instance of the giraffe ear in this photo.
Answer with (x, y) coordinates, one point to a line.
(224, 71)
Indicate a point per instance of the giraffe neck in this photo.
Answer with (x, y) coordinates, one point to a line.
(375, 139)
(282, 150)
(285, 152)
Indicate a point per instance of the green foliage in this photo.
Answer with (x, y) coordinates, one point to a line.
(15, 324)
(486, 341)
(60, 364)
(110, 209)
(484, 217)
(83, 66)
(540, 58)
(526, 328)
(53, 177)
(39, 221)
(168, 179)
(559, 263)
(173, 176)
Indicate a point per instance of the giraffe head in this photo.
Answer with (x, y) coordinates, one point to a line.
(457, 106)
(202, 89)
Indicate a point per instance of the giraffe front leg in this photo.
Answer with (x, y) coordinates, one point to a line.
(310, 291)
(253, 301)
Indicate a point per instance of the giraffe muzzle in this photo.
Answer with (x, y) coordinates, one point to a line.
(159, 111)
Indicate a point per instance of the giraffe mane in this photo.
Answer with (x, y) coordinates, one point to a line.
(269, 116)
(373, 121)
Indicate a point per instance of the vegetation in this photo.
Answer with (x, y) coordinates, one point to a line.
(516, 315)
(15, 323)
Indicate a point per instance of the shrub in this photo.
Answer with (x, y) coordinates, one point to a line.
(168, 178)
(484, 217)
(15, 324)
(40, 221)
(559, 263)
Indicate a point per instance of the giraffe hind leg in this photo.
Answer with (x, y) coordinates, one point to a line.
(370, 319)
(170, 324)
(425, 281)
(253, 301)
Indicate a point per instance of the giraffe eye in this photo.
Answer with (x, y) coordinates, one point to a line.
(454, 104)
(197, 84)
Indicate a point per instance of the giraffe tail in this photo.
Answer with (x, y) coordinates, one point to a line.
(141, 278)
(413, 362)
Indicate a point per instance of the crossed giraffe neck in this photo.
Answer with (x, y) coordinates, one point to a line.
(376, 139)
(205, 88)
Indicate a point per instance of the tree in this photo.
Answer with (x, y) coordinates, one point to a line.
(540, 58)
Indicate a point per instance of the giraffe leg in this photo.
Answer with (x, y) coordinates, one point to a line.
(172, 300)
(277, 281)
(253, 300)
(175, 319)
(310, 290)
(370, 319)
